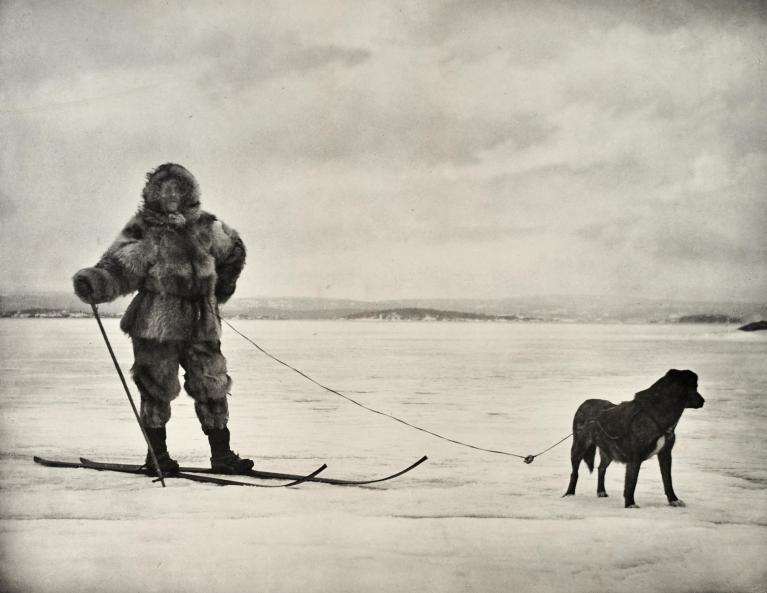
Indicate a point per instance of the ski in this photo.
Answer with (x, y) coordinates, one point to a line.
(118, 467)
(265, 475)
(141, 470)
(334, 481)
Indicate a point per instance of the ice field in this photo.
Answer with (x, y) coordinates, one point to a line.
(464, 521)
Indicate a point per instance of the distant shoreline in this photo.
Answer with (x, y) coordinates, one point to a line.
(544, 308)
(407, 315)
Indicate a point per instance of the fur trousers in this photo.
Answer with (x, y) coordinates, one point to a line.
(155, 372)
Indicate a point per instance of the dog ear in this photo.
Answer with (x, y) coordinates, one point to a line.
(685, 377)
(666, 384)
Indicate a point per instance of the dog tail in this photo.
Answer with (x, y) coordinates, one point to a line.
(588, 457)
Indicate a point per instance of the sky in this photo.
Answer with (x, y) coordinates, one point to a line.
(384, 150)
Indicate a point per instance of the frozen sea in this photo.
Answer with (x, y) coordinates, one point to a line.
(464, 521)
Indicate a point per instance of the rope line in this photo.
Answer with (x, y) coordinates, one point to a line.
(525, 458)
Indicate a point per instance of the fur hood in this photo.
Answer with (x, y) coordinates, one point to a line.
(189, 209)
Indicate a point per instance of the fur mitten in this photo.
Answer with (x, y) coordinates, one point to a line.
(95, 285)
(229, 268)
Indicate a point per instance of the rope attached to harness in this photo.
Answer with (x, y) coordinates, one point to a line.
(526, 458)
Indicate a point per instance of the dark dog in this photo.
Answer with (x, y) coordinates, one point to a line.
(633, 431)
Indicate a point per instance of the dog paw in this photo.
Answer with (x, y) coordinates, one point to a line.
(632, 506)
(602, 494)
(566, 494)
(676, 503)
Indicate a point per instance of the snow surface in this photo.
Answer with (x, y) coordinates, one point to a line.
(463, 521)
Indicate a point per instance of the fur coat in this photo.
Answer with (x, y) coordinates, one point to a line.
(182, 264)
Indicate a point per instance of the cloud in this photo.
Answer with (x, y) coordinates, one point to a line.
(241, 65)
(447, 19)
(357, 130)
(50, 41)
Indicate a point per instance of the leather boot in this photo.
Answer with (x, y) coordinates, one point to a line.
(222, 459)
(157, 440)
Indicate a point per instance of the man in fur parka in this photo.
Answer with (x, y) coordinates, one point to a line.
(183, 262)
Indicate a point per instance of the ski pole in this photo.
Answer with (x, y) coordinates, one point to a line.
(130, 399)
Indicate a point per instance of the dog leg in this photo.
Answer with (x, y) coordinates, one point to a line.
(604, 461)
(664, 460)
(630, 484)
(573, 478)
(577, 452)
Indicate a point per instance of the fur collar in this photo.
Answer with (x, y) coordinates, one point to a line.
(176, 220)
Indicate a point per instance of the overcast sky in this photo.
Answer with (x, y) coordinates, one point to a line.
(376, 150)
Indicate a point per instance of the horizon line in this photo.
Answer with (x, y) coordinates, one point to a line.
(62, 293)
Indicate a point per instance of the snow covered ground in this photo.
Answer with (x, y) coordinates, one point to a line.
(463, 521)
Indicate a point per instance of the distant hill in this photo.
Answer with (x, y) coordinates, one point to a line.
(417, 314)
(554, 308)
(709, 318)
(56, 304)
(548, 308)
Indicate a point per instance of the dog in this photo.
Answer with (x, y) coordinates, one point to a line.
(633, 431)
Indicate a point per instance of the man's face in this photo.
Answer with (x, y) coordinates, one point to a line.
(170, 195)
